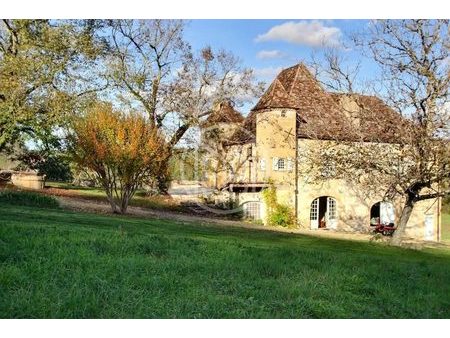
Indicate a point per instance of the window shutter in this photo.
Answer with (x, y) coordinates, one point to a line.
(289, 164)
(275, 163)
(262, 163)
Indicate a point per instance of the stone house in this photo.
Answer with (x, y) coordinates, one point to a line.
(294, 115)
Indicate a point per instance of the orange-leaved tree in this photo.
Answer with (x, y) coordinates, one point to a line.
(123, 151)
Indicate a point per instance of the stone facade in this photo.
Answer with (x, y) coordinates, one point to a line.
(270, 156)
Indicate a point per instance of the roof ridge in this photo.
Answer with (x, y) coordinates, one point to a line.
(277, 81)
(295, 78)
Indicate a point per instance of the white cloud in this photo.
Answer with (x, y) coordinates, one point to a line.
(270, 54)
(311, 33)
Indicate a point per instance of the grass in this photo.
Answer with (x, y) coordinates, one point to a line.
(27, 198)
(61, 264)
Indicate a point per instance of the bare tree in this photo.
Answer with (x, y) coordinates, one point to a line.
(414, 55)
(222, 158)
(406, 152)
(205, 79)
(144, 54)
(334, 71)
(154, 65)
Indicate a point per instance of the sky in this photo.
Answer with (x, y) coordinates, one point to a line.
(268, 46)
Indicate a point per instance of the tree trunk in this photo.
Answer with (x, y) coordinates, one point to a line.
(111, 201)
(162, 180)
(404, 218)
(123, 208)
(179, 133)
(124, 204)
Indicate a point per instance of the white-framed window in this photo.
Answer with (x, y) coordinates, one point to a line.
(283, 113)
(282, 164)
(314, 214)
(252, 210)
(332, 215)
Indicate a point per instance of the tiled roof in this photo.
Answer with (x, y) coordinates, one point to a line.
(321, 113)
(246, 133)
(377, 121)
(296, 88)
(224, 112)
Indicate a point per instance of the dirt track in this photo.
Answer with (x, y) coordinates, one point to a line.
(102, 207)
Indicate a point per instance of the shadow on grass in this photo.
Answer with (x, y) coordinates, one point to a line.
(141, 226)
(62, 264)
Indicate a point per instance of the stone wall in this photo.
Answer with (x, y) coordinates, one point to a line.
(275, 138)
(28, 180)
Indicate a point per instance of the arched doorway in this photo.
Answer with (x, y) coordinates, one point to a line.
(323, 214)
(382, 213)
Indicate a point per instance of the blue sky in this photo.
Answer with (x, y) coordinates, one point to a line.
(269, 45)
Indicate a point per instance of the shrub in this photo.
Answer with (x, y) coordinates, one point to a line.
(124, 151)
(27, 198)
(281, 215)
(277, 214)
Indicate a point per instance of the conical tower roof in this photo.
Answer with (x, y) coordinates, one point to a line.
(321, 114)
(295, 87)
(223, 112)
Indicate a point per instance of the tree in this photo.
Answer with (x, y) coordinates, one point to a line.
(222, 159)
(205, 79)
(43, 75)
(219, 156)
(124, 151)
(414, 58)
(144, 53)
(155, 69)
(54, 165)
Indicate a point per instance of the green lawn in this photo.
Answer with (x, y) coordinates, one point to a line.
(60, 264)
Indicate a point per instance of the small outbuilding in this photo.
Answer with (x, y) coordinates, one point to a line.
(28, 180)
